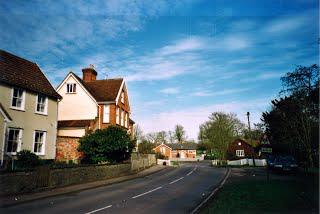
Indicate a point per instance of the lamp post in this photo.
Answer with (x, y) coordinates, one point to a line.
(248, 116)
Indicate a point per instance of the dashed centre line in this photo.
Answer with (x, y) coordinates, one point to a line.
(97, 210)
(137, 196)
(172, 182)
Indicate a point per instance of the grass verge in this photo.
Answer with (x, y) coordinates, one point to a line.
(262, 196)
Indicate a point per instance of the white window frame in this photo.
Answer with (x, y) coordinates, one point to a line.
(45, 112)
(122, 117)
(19, 140)
(71, 88)
(118, 116)
(106, 113)
(240, 153)
(126, 120)
(43, 143)
(122, 97)
(22, 107)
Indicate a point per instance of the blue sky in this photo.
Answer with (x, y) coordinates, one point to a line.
(182, 60)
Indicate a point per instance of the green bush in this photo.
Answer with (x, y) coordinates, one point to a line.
(27, 159)
(112, 145)
(160, 156)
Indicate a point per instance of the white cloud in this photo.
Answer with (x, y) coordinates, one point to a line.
(192, 117)
(263, 76)
(206, 93)
(171, 90)
(234, 43)
(287, 24)
(184, 45)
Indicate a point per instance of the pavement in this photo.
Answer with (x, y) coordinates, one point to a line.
(165, 190)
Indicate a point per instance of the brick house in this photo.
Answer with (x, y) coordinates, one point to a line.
(89, 104)
(28, 109)
(177, 150)
(240, 149)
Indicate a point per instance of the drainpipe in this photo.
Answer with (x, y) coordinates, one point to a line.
(99, 107)
(4, 140)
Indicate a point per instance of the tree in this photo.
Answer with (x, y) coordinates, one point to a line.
(112, 144)
(219, 131)
(179, 133)
(171, 137)
(293, 123)
(145, 147)
(138, 133)
(161, 137)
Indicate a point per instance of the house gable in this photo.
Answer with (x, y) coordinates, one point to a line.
(79, 105)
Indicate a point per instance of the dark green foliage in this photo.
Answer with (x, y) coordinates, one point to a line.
(112, 144)
(145, 147)
(293, 122)
(160, 156)
(26, 160)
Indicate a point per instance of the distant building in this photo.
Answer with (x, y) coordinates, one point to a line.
(28, 109)
(89, 104)
(177, 150)
(240, 149)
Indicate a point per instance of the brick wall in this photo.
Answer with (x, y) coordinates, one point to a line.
(67, 149)
(46, 178)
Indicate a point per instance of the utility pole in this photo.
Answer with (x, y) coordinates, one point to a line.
(248, 116)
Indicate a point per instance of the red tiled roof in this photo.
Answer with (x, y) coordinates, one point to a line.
(103, 90)
(20, 72)
(74, 123)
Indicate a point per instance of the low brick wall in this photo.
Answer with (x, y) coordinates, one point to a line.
(67, 149)
(44, 177)
(142, 161)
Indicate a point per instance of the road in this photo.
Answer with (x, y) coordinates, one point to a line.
(172, 190)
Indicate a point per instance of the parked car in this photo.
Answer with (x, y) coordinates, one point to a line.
(270, 160)
(285, 163)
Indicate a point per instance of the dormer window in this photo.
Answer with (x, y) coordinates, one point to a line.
(71, 88)
(18, 98)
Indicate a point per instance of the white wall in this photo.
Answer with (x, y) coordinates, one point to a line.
(78, 106)
(71, 132)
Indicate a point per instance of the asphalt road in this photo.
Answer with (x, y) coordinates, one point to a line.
(173, 190)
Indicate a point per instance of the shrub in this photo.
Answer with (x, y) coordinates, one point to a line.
(27, 159)
(145, 147)
(112, 144)
(160, 156)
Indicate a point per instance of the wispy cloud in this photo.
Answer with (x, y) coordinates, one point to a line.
(206, 93)
(171, 90)
(263, 76)
(184, 45)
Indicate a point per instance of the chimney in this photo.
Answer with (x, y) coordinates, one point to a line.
(89, 74)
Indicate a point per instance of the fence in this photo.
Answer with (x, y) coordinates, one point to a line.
(44, 177)
(241, 162)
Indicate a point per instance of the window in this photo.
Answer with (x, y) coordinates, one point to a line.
(71, 88)
(122, 117)
(240, 153)
(106, 114)
(42, 103)
(18, 97)
(39, 142)
(126, 121)
(14, 140)
(118, 116)
(122, 97)
(162, 150)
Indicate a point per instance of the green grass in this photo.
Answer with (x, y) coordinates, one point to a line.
(275, 196)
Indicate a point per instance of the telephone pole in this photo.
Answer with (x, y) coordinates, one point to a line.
(248, 116)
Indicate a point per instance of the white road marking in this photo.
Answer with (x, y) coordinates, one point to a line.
(194, 169)
(190, 173)
(137, 196)
(97, 210)
(172, 182)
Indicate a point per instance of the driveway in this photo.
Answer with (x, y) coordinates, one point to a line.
(173, 190)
